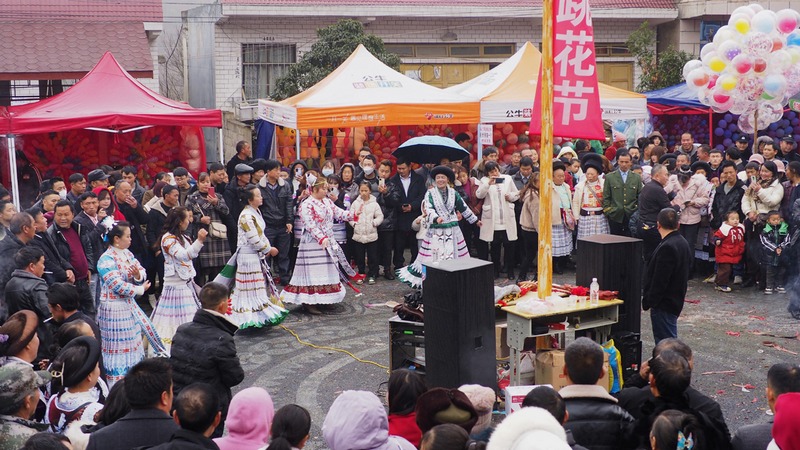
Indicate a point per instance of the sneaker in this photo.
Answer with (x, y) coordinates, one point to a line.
(737, 279)
(710, 278)
(768, 291)
(780, 290)
(371, 280)
(360, 281)
(723, 288)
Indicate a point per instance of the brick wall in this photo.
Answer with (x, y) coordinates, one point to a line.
(302, 32)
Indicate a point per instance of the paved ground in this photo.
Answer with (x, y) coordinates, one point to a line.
(726, 332)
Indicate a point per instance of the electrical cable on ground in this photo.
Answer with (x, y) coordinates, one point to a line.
(325, 347)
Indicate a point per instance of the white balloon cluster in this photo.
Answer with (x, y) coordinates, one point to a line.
(752, 65)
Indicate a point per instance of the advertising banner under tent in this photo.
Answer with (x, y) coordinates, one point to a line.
(365, 92)
(506, 92)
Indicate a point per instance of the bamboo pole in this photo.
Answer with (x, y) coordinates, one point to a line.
(545, 255)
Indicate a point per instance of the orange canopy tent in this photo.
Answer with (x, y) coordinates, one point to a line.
(364, 92)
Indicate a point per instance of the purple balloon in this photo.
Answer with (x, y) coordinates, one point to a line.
(728, 117)
(723, 123)
(733, 127)
(779, 133)
(721, 147)
(727, 143)
(791, 115)
(719, 132)
(773, 126)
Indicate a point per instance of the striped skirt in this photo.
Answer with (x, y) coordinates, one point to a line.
(122, 339)
(591, 225)
(177, 305)
(562, 240)
(438, 244)
(315, 279)
(251, 302)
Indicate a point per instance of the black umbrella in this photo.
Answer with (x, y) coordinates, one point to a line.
(430, 150)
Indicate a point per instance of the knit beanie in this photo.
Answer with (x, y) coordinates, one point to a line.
(482, 399)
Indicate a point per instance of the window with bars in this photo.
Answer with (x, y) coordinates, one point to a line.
(262, 66)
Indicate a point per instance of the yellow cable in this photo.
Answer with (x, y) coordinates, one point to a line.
(324, 347)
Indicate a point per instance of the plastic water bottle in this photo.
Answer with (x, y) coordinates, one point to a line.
(594, 293)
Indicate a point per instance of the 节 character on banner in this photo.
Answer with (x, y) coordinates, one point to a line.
(576, 98)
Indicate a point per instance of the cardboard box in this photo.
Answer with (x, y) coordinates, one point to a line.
(501, 340)
(515, 395)
(550, 369)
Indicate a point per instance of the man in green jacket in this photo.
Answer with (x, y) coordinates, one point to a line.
(621, 195)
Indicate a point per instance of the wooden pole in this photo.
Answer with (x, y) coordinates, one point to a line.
(545, 258)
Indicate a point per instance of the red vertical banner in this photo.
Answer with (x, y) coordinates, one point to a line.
(576, 98)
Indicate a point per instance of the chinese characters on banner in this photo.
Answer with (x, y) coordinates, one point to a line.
(576, 99)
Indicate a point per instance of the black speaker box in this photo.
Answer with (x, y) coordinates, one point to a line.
(459, 323)
(616, 262)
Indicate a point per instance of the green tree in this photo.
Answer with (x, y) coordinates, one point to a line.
(658, 70)
(335, 44)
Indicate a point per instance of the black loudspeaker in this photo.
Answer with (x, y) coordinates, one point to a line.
(616, 262)
(459, 323)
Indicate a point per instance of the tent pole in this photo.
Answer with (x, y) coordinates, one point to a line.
(297, 143)
(221, 149)
(12, 162)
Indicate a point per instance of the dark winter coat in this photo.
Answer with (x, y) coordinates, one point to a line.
(712, 432)
(55, 265)
(62, 246)
(203, 350)
(595, 419)
(137, 217)
(732, 201)
(9, 246)
(27, 291)
(187, 440)
(155, 225)
(771, 240)
(389, 203)
(416, 192)
(138, 428)
(95, 232)
(652, 200)
(277, 205)
(667, 275)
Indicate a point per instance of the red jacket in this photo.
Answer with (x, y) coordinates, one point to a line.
(731, 248)
(405, 427)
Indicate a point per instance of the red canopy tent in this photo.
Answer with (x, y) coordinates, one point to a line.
(107, 99)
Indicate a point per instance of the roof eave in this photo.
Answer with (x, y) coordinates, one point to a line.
(7, 76)
(231, 10)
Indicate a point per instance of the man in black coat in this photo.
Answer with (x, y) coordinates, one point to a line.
(652, 200)
(389, 200)
(203, 350)
(148, 387)
(57, 269)
(728, 195)
(22, 231)
(136, 216)
(667, 277)
(197, 413)
(637, 388)
(276, 209)
(412, 191)
(243, 176)
(27, 290)
(595, 419)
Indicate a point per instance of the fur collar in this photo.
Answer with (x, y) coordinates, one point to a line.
(514, 428)
(725, 228)
(586, 391)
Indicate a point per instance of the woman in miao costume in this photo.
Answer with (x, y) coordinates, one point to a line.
(587, 201)
(255, 301)
(320, 260)
(121, 320)
(443, 239)
(178, 302)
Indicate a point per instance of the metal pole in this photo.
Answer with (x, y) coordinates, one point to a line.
(221, 149)
(297, 143)
(12, 162)
(546, 157)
